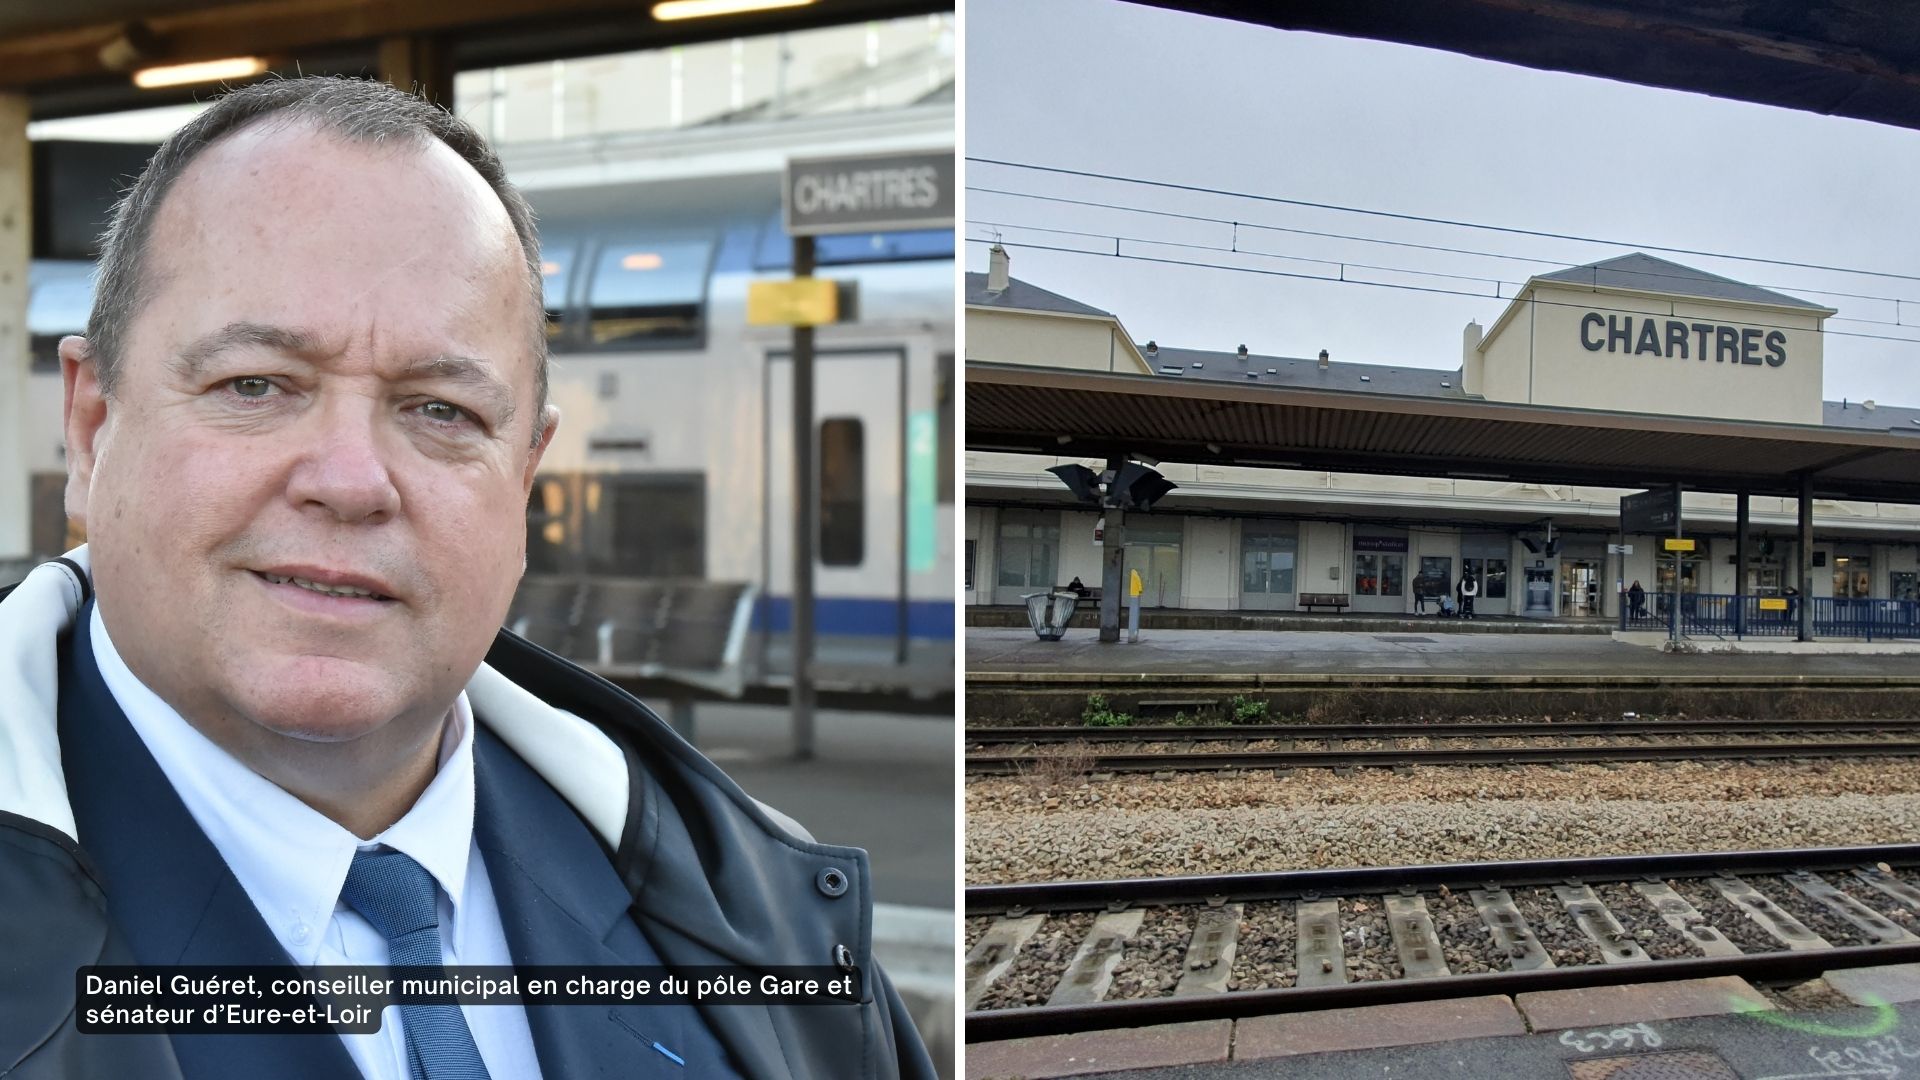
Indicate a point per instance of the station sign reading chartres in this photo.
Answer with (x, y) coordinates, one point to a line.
(1683, 339)
(869, 193)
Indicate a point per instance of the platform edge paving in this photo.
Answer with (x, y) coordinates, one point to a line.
(1371, 1027)
(1598, 1006)
(1044, 1057)
(1888, 984)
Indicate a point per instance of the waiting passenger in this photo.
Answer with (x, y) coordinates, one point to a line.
(1469, 588)
(1077, 587)
(1636, 600)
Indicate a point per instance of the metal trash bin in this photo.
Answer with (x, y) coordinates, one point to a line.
(1049, 612)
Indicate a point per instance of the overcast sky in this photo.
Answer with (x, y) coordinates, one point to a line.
(1109, 87)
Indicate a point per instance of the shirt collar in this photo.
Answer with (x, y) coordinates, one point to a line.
(291, 859)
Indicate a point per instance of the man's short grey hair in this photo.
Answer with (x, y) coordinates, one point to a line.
(354, 109)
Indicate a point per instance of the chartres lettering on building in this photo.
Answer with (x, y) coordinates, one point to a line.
(1678, 339)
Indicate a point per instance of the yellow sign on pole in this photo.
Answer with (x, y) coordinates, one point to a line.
(795, 302)
(1773, 603)
(1679, 545)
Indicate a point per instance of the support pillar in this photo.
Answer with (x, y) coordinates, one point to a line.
(16, 247)
(1740, 549)
(1113, 566)
(1806, 557)
(418, 65)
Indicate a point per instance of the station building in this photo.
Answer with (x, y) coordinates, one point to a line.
(1636, 335)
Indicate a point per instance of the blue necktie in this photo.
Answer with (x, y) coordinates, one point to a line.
(400, 899)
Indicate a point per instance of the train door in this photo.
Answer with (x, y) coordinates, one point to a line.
(860, 598)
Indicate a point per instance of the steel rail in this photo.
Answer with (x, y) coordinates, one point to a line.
(1092, 894)
(1009, 764)
(996, 1024)
(1055, 733)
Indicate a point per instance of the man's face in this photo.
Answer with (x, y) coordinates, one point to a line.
(328, 393)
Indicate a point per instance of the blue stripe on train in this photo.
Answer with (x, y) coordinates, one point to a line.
(854, 616)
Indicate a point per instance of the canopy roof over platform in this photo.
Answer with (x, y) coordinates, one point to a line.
(1853, 58)
(1025, 409)
(72, 56)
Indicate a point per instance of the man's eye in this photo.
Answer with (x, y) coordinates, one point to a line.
(442, 411)
(251, 386)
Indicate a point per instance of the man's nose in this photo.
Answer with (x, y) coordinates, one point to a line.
(342, 470)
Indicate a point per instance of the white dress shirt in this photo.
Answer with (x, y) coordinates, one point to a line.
(292, 861)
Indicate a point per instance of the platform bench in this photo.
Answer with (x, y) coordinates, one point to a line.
(1311, 600)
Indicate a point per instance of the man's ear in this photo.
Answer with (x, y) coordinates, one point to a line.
(549, 423)
(84, 417)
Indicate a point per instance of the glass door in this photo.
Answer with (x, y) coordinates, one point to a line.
(1266, 571)
(1028, 551)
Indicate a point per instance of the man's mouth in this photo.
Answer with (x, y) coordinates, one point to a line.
(342, 590)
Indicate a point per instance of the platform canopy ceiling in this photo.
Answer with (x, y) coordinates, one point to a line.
(53, 49)
(1030, 409)
(1852, 58)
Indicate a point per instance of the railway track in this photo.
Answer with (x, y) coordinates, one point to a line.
(1274, 746)
(1063, 957)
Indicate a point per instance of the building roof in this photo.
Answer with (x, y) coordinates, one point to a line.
(1027, 409)
(1303, 372)
(1855, 415)
(1644, 273)
(1020, 296)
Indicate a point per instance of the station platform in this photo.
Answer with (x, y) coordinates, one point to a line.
(1010, 653)
(1702, 1029)
(1087, 617)
(879, 781)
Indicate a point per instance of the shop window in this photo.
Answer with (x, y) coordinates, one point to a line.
(1490, 573)
(1493, 580)
(843, 492)
(1379, 574)
(1027, 551)
(650, 295)
(1852, 576)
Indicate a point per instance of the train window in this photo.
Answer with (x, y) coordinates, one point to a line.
(843, 492)
(776, 247)
(59, 299)
(648, 525)
(943, 403)
(556, 273)
(650, 295)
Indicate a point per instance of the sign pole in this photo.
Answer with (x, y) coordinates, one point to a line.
(1679, 531)
(805, 501)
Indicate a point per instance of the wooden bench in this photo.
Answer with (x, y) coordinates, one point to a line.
(1311, 600)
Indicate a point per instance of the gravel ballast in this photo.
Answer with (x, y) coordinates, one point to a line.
(1196, 824)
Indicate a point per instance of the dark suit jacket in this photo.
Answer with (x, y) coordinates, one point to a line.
(178, 902)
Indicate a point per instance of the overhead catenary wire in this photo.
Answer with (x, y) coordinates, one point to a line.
(1395, 215)
(1238, 224)
(1344, 265)
(1117, 254)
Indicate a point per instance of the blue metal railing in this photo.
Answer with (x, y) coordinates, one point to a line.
(1727, 616)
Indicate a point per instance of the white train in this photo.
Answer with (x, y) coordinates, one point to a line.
(673, 457)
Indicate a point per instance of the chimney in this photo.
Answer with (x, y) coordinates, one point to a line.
(1323, 359)
(997, 270)
(1243, 352)
(1153, 349)
(1867, 405)
(1472, 360)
